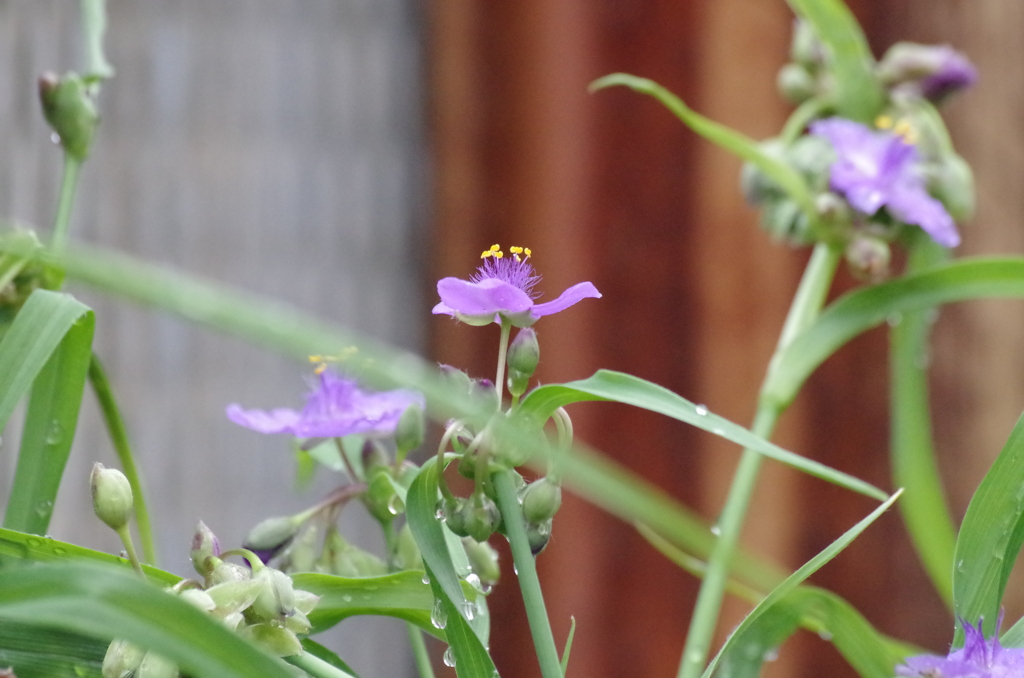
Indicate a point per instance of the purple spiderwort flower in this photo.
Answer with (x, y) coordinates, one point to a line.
(503, 288)
(931, 71)
(337, 407)
(876, 169)
(978, 658)
(955, 72)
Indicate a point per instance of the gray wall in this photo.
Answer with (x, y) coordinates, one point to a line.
(273, 145)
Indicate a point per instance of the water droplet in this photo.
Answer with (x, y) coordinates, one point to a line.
(718, 431)
(439, 616)
(824, 635)
(426, 579)
(515, 569)
(347, 598)
(469, 610)
(54, 137)
(473, 580)
(960, 565)
(485, 589)
(701, 410)
(55, 433)
(449, 658)
(439, 514)
(395, 505)
(82, 671)
(34, 542)
(59, 551)
(716, 530)
(771, 655)
(44, 508)
(894, 319)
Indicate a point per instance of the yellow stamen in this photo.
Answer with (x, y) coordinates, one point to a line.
(515, 250)
(906, 130)
(499, 254)
(485, 254)
(883, 122)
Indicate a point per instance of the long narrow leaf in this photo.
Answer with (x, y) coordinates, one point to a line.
(855, 312)
(105, 603)
(34, 652)
(790, 584)
(990, 538)
(858, 94)
(729, 139)
(625, 388)
(55, 400)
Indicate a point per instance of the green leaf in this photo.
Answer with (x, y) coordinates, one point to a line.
(471, 657)
(402, 595)
(780, 592)
(29, 547)
(729, 139)
(914, 468)
(105, 603)
(568, 645)
(990, 538)
(625, 388)
(35, 652)
(858, 94)
(58, 329)
(860, 310)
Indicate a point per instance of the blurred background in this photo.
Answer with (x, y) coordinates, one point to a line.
(344, 154)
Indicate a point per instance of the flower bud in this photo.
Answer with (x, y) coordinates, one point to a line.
(70, 111)
(483, 560)
(111, 496)
(481, 516)
(868, 258)
(541, 500)
(453, 514)
(409, 432)
(270, 536)
(524, 352)
(204, 546)
(347, 560)
(381, 498)
(933, 71)
(301, 553)
(795, 83)
(276, 640)
(539, 534)
(483, 390)
(276, 601)
(456, 379)
(806, 49)
(372, 456)
(222, 572)
(122, 659)
(155, 666)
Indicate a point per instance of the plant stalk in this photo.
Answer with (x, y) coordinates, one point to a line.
(68, 183)
(526, 573)
(807, 302)
(499, 380)
(419, 651)
(316, 667)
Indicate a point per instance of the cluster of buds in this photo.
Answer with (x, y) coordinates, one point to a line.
(872, 184)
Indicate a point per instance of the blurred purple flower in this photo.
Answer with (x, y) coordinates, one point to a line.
(503, 286)
(931, 71)
(978, 658)
(337, 407)
(876, 169)
(954, 72)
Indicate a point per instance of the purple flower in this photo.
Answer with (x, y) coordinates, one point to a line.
(876, 169)
(337, 407)
(978, 658)
(955, 72)
(503, 288)
(931, 71)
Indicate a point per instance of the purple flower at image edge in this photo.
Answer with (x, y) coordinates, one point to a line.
(876, 169)
(336, 407)
(978, 658)
(502, 287)
(955, 72)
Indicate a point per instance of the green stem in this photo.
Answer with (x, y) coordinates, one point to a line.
(316, 667)
(419, 651)
(67, 198)
(526, 571)
(119, 438)
(506, 328)
(801, 117)
(807, 302)
(126, 538)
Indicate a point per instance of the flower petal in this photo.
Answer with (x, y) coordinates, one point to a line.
(276, 421)
(574, 294)
(913, 205)
(483, 298)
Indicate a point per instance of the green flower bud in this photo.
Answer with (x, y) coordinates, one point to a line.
(276, 640)
(524, 352)
(481, 516)
(347, 560)
(111, 496)
(467, 466)
(271, 535)
(539, 534)
(456, 379)
(222, 572)
(122, 659)
(276, 601)
(868, 258)
(806, 48)
(302, 552)
(483, 560)
(454, 518)
(199, 599)
(70, 111)
(372, 456)
(541, 500)
(410, 430)
(796, 83)
(234, 596)
(204, 546)
(155, 666)
(407, 552)
(381, 498)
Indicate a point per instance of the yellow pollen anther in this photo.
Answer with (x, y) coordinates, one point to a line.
(528, 252)
(499, 254)
(883, 122)
(485, 254)
(906, 130)
(515, 250)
